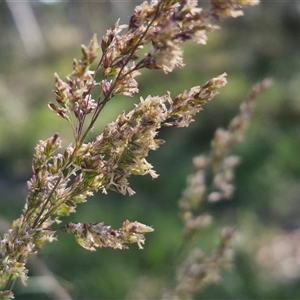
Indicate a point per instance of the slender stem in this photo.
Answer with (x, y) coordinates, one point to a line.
(46, 203)
(79, 131)
(119, 76)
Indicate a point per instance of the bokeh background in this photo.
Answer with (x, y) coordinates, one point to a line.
(38, 38)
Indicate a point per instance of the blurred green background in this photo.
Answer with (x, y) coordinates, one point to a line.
(39, 38)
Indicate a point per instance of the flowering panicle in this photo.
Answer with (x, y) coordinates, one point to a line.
(164, 25)
(93, 235)
(61, 181)
(220, 160)
(219, 163)
(200, 269)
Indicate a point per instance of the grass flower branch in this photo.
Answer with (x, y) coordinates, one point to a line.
(63, 179)
(212, 179)
(199, 269)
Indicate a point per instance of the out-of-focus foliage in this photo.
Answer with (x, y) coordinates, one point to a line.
(265, 208)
